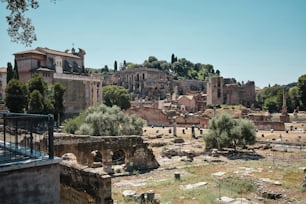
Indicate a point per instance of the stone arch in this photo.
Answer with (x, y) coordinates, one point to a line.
(96, 156)
(118, 157)
(94, 159)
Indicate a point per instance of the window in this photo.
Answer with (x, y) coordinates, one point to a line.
(219, 93)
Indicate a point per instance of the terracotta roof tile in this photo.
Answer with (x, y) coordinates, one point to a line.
(44, 51)
(56, 52)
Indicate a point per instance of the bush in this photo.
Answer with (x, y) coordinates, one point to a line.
(105, 121)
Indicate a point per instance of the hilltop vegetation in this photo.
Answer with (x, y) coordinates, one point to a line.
(271, 98)
(180, 68)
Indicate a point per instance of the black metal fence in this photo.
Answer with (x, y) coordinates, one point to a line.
(25, 136)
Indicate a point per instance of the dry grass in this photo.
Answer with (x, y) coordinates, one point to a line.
(279, 166)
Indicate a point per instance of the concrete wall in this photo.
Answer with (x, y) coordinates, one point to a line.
(34, 185)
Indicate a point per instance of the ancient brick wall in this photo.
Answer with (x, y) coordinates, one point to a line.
(153, 116)
(35, 185)
(190, 86)
(268, 125)
(83, 186)
(215, 90)
(83, 146)
(81, 91)
(188, 102)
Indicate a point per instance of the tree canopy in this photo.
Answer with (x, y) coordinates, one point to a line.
(180, 68)
(224, 131)
(116, 95)
(20, 28)
(37, 82)
(16, 96)
(302, 90)
(36, 102)
(104, 121)
(58, 91)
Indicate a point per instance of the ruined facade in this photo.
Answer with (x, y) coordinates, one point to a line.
(228, 91)
(66, 68)
(131, 151)
(188, 87)
(144, 82)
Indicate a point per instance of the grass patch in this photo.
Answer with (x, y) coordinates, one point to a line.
(237, 185)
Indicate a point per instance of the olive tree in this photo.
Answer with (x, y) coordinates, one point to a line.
(224, 131)
(104, 121)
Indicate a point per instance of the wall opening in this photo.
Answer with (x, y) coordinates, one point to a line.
(118, 157)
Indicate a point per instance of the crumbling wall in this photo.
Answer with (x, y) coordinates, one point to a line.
(268, 125)
(153, 116)
(82, 147)
(81, 185)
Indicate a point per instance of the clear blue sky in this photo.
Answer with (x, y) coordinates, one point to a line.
(260, 40)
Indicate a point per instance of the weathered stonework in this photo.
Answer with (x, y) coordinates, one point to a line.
(137, 155)
(36, 184)
(227, 91)
(268, 125)
(144, 82)
(83, 185)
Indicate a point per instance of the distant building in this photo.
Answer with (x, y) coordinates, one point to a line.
(187, 103)
(144, 82)
(66, 68)
(59, 62)
(228, 91)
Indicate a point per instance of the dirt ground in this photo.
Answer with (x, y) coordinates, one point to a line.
(278, 172)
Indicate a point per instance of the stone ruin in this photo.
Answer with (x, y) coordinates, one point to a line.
(106, 151)
(89, 163)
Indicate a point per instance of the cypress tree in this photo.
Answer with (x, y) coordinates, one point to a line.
(115, 66)
(10, 72)
(16, 74)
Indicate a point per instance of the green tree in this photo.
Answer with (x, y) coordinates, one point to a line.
(116, 95)
(270, 98)
(58, 98)
(294, 97)
(302, 89)
(224, 131)
(115, 66)
(37, 82)
(173, 59)
(104, 121)
(16, 73)
(20, 27)
(10, 72)
(271, 104)
(36, 102)
(16, 96)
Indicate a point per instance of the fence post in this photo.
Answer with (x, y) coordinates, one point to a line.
(51, 137)
(4, 128)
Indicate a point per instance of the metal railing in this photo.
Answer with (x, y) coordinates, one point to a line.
(25, 136)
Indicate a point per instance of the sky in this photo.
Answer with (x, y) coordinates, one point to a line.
(258, 40)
